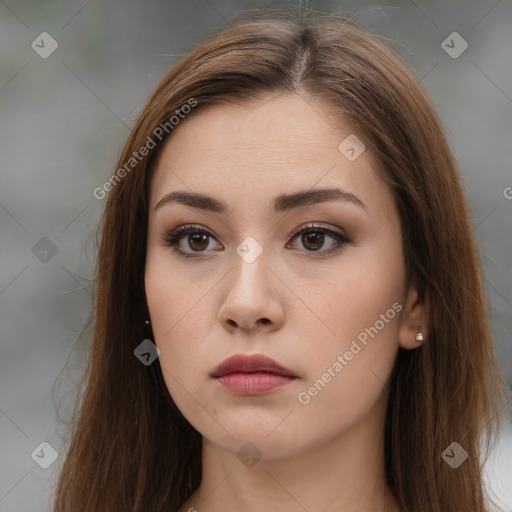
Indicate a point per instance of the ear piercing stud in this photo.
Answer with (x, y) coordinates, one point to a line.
(147, 322)
(419, 336)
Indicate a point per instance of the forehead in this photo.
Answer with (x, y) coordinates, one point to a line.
(260, 149)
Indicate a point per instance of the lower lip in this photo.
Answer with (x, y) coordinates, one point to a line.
(253, 383)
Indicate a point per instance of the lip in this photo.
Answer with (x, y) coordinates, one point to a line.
(252, 374)
(240, 363)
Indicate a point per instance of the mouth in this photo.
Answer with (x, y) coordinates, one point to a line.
(252, 375)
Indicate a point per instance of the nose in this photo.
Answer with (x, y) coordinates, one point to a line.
(252, 300)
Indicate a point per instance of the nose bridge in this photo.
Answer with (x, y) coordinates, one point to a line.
(250, 273)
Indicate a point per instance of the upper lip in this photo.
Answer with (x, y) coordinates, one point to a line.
(250, 364)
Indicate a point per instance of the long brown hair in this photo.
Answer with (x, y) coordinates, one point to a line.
(131, 449)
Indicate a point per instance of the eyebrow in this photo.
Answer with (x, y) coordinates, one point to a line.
(282, 202)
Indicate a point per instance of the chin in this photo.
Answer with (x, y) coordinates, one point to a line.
(273, 437)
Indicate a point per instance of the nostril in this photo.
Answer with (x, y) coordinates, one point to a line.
(263, 321)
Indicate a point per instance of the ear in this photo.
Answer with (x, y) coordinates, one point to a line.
(414, 322)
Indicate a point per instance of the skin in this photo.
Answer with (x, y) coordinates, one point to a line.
(327, 454)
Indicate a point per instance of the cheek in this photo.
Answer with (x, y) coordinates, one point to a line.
(347, 379)
(167, 305)
(180, 325)
(173, 296)
(360, 310)
(354, 296)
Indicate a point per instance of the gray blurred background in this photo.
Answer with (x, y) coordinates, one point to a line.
(64, 117)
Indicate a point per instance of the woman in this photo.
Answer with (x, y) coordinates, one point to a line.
(289, 308)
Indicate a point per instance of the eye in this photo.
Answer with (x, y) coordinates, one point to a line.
(313, 238)
(197, 240)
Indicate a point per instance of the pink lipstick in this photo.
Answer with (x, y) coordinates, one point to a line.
(252, 374)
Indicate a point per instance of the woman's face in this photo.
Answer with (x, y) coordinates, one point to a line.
(314, 281)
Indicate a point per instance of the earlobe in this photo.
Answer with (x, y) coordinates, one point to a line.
(413, 329)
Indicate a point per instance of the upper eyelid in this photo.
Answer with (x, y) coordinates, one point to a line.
(304, 227)
(319, 226)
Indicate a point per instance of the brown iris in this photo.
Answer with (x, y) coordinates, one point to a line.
(201, 239)
(315, 238)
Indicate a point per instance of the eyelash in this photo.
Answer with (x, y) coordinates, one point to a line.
(173, 237)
